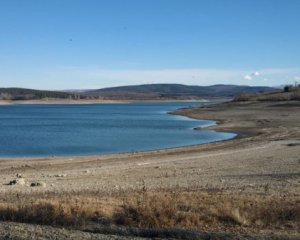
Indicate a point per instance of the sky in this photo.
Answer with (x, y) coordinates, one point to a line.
(88, 44)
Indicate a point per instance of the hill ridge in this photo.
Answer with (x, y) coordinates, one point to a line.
(160, 91)
(165, 90)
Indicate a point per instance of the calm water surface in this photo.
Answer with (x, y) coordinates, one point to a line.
(46, 130)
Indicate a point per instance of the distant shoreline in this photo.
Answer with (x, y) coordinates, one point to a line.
(59, 101)
(83, 102)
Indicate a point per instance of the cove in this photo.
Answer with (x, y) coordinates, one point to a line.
(66, 130)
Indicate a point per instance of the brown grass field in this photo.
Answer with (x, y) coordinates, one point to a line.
(212, 211)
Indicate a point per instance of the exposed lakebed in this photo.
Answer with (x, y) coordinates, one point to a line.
(62, 130)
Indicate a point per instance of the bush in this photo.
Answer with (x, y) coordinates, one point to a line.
(287, 88)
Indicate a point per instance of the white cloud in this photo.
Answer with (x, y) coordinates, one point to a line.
(248, 77)
(251, 76)
(297, 78)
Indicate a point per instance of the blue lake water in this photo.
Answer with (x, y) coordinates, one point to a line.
(61, 130)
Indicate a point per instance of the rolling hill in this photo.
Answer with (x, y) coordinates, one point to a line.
(137, 92)
(175, 91)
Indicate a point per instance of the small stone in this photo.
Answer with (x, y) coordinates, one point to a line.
(18, 175)
(38, 184)
(60, 175)
(18, 181)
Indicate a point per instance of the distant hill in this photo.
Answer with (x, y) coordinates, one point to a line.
(138, 92)
(175, 91)
(29, 94)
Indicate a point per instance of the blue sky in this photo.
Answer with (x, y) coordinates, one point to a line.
(81, 44)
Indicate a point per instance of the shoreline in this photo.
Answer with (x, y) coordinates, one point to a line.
(221, 125)
(84, 102)
(260, 129)
(60, 102)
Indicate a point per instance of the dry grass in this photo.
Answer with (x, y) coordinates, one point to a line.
(163, 209)
(203, 211)
(67, 210)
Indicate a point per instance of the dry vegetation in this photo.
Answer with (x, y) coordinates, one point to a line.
(193, 210)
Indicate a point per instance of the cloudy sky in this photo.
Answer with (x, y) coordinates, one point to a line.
(83, 44)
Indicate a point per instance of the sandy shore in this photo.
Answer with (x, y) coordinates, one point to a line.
(263, 159)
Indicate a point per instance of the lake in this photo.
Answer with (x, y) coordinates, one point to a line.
(64, 130)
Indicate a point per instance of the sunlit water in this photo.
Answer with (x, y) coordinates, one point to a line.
(60, 130)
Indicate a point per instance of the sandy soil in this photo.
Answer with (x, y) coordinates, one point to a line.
(264, 157)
